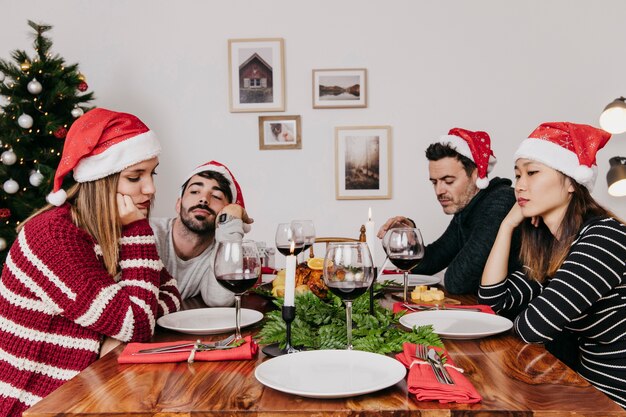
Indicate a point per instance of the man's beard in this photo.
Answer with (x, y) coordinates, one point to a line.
(200, 226)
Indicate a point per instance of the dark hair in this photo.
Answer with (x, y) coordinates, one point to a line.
(222, 183)
(437, 151)
(543, 253)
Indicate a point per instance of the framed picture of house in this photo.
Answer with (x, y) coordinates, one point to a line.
(256, 75)
(362, 162)
(280, 132)
(339, 88)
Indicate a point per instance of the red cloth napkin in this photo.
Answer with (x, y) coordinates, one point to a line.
(422, 382)
(391, 271)
(397, 307)
(244, 352)
(267, 270)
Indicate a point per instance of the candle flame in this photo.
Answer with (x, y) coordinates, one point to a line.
(292, 248)
(369, 215)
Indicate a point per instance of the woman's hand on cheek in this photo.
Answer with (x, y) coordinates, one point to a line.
(514, 218)
(127, 210)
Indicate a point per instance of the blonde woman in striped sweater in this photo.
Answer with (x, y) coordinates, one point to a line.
(573, 252)
(87, 270)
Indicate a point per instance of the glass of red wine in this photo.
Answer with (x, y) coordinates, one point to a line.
(405, 248)
(307, 230)
(348, 273)
(285, 235)
(237, 268)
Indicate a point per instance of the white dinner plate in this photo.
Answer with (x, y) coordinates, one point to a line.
(208, 320)
(414, 279)
(330, 373)
(458, 324)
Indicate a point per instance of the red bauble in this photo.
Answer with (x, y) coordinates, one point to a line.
(82, 86)
(5, 213)
(60, 133)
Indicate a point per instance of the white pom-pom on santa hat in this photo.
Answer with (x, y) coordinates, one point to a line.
(482, 183)
(569, 148)
(57, 198)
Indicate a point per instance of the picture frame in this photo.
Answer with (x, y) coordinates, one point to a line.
(280, 132)
(362, 162)
(256, 75)
(339, 88)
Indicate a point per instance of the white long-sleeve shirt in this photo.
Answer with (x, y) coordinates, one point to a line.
(196, 276)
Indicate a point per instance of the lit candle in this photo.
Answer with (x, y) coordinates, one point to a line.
(370, 234)
(290, 277)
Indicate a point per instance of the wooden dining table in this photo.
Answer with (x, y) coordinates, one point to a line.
(514, 379)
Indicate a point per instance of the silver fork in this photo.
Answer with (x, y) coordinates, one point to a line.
(198, 345)
(422, 352)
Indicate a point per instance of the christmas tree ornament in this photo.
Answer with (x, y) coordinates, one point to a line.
(1, 76)
(25, 66)
(35, 179)
(81, 77)
(60, 133)
(25, 121)
(10, 186)
(82, 86)
(77, 112)
(3, 244)
(8, 157)
(34, 87)
(5, 213)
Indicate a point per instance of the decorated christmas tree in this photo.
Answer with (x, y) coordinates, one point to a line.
(40, 97)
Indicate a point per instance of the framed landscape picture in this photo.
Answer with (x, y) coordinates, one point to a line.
(256, 73)
(280, 132)
(363, 162)
(339, 88)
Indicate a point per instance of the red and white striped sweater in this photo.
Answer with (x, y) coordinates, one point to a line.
(57, 303)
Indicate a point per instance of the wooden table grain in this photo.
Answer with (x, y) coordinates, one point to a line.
(514, 378)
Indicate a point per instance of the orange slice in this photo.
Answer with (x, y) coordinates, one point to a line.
(315, 263)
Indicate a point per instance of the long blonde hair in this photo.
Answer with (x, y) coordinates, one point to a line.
(541, 251)
(94, 210)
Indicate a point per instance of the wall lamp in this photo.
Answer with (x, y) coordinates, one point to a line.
(613, 118)
(616, 177)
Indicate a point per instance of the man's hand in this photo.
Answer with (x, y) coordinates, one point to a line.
(127, 210)
(392, 223)
(237, 211)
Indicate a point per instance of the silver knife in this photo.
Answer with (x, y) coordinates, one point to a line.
(433, 356)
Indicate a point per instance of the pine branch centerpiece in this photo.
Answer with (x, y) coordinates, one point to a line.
(40, 98)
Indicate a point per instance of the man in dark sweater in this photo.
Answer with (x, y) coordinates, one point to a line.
(458, 166)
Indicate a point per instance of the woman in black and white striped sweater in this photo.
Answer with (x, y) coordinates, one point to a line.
(573, 252)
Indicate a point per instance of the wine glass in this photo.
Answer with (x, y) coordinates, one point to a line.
(237, 268)
(348, 273)
(405, 249)
(307, 229)
(286, 234)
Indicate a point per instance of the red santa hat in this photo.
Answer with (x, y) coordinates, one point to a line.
(220, 168)
(100, 143)
(473, 145)
(567, 147)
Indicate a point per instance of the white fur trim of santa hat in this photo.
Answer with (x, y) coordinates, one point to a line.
(216, 168)
(118, 157)
(559, 158)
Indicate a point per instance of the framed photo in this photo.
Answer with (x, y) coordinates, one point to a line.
(362, 162)
(339, 88)
(279, 132)
(256, 73)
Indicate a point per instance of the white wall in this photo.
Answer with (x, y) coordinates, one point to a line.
(494, 65)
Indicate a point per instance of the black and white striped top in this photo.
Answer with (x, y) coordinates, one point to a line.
(587, 295)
